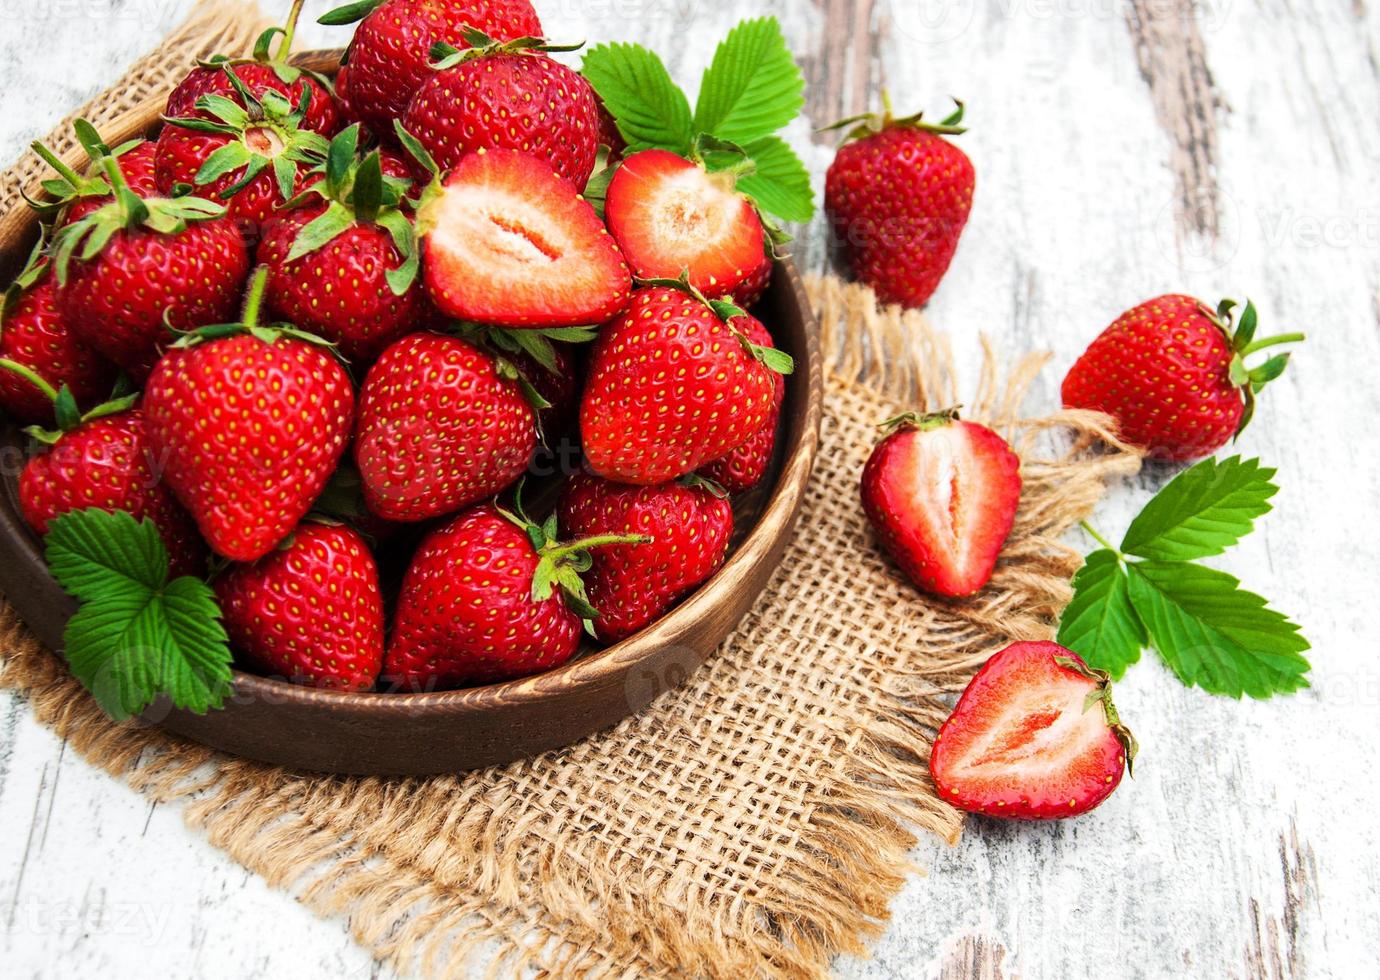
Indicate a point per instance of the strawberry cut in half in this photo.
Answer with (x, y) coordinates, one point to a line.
(1035, 736)
(669, 214)
(942, 495)
(508, 242)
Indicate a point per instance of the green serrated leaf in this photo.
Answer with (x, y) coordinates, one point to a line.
(650, 110)
(753, 87)
(780, 184)
(1215, 635)
(96, 555)
(107, 646)
(1100, 623)
(1202, 511)
(195, 663)
(349, 13)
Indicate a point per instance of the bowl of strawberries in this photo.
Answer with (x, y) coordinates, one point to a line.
(411, 408)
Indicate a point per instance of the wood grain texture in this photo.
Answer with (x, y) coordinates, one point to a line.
(1076, 217)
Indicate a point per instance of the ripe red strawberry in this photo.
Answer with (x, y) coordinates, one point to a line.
(309, 611)
(269, 71)
(941, 495)
(508, 242)
(104, 461)
(249, 427)
(898, 195)
(743, 468)
(630, 585)
(559, 388)
(672, 386)
(489, 596)
(252, 153)
(389, 57)
(507, 96)
(669, 214)
(1172, 374)
(35, 341)
(344, 266)
(71, 196)
(609, 134)
(750, 290)
(1034, 737)
(135, 266)
(439, 429)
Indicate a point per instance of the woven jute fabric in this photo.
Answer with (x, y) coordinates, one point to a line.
(756, 821)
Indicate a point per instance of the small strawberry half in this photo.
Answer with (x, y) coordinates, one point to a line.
(249, 422)
(669, 214)
(1172, 372)
(1035, 736)
(309, 611)
(942, 495)
(687, 527)
(508, 242)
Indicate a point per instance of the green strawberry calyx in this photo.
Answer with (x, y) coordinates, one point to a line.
(69, 185)
(34, 268)
(1102, 693)
(920, 420)
(1241, 335)
(264, 132)
(65, 409)
(771, 358)
(480, 45)
(561, 564)
(87, 238)
(265, 53)
(350, 13)
(356, 191)
(870, 124)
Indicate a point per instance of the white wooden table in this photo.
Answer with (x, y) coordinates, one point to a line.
(1123, 149)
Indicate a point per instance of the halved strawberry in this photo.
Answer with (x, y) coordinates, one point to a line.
(942, 496)
(1035, 736)
(670, 214)
(508, 242)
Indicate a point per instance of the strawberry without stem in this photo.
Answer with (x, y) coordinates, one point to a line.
(309, 611)
(508, 242)
(439, 428)
(898, 195)
(669, 214)
(630, 585)
(1035, 736)
(942, 495)
(1172, 373)
(249, 427)
(507, 96)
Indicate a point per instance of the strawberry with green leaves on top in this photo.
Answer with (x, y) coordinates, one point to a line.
(35, 339)
(673, 384)
(898, 194)
(490, 596)
(136, 266)
(344, 265)
(1172, 372)
(389, 57)
(687, 526)
(507, 95)
(267, 71)
(249, 422)
(309, 611)
(1035, 736)
(251, 152)
(71, 196)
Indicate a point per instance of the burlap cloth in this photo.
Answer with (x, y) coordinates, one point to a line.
(756, 821)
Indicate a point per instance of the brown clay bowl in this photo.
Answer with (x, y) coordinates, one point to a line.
(421, 734)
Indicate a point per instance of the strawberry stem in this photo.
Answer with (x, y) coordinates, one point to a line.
(1284, 338)
(596, 541)
(1092, 532)
(254, 300)
(289, 29)
(29, 375)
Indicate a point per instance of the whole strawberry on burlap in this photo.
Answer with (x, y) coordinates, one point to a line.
(507, 95)
(249, 422)
(1035, 736)
(136, 266)
(898, 195)
(1172, 372)
(310, 610)
(687, 526)
(673, 384)
(389, 57)
(344, 264)
(490, 596)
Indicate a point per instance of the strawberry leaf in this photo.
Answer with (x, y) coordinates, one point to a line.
(650, 110)
(1202, 511)
(780, 184)
(98, 557)
(1100, 623)
(753, 87)
(1216, 635)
